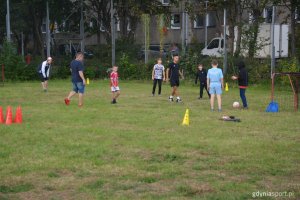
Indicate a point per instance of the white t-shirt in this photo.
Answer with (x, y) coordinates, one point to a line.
(158, 71)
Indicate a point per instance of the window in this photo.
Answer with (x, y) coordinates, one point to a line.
(211, 19)
(165, 2)
(199, 21)
(213, 44)
(251, 18)
(118, 24)
(268, 13)
(297, 15)
(128, 25)
(44, 27)
(102, 27)
(222, 43)
(175, 21)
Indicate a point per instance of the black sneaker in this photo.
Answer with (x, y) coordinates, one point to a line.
(114, 101)
(178, 100)
(171, 99)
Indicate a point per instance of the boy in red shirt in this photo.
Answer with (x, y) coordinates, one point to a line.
(114, 84)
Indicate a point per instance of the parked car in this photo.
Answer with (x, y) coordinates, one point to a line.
(88, 54)
(153, 52)
(281, 43)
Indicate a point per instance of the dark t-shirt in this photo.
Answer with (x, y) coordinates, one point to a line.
(201, 75)
(174, 71)
(76, 66)
(243, 77)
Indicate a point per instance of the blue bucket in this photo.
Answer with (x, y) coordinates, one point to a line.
(273, 107)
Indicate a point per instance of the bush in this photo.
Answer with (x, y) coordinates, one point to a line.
(136, 71)
(287, 65)
(15, 67)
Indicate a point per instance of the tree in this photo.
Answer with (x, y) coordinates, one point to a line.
(28, 15)
(292, 6)
(256, 8)
(100, 10)
(130, 12)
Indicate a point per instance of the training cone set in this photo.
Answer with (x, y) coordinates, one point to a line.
(9, 116)
(186, 119)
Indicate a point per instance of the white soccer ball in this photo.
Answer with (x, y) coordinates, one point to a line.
(236, 104)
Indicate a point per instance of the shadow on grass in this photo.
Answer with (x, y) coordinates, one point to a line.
(16, 188)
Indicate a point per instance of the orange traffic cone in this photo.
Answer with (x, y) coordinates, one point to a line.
(18, 119)
(1, 116)
(8, 116)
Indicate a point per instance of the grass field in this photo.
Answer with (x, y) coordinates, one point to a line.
(138, 149)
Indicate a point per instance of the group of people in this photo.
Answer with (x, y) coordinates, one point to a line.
(212, 80)
(78, 81)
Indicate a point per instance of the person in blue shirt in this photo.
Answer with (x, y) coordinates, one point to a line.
(215, 84)
(78, 79)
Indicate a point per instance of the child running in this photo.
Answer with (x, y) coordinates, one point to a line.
(114, 84)
(215, 84)
(173, 73)
(158, 75)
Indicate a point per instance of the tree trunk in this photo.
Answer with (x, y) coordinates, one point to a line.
(37, 33)
(231, 39)
(98, 30)
(252, 41)
(239, 30)
(254, 32)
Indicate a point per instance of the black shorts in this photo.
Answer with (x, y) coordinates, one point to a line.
(174, 82)
(43, 79)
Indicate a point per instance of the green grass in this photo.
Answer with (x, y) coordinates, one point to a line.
(138, 149)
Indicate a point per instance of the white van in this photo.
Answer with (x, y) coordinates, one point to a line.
(281, 42)
(215, 48)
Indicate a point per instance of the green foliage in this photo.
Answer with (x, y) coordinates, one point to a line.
(14, 64)
(288, 65)
(16, 188)
(128, 71)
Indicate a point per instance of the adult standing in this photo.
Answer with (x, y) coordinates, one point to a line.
(44, 72)
(78, 80)
(174, 50)
(242, 78)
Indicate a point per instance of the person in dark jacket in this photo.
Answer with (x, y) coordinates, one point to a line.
(201, 75)
(242, 78)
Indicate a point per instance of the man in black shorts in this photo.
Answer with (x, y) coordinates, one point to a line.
(173, 73)
(44, 71)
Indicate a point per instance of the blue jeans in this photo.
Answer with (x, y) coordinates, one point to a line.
(243, 97)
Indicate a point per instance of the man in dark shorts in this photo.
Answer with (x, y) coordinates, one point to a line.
(44, 72)
(173, 73)
(78, 79)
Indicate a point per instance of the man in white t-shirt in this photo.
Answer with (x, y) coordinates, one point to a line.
(158, 75)
(44, 71)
